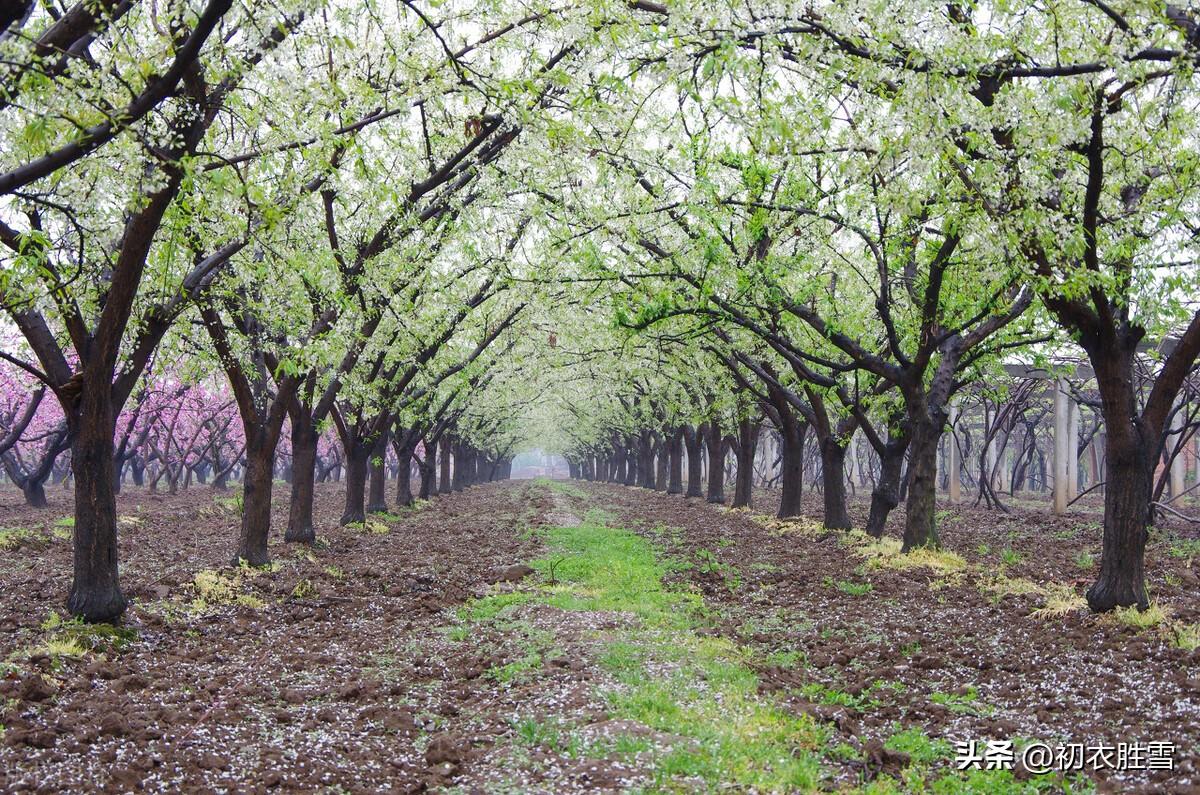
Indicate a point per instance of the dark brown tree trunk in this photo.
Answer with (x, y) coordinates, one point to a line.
(304, 471)
(377, 489)
(833, 481)
(791, 465)
(357, 453)
(747, 445)
(457, 481)
(404, 455)
(675, 461)
(444, 482)
(693, 440)
(1130, 455)
(256, 499)
(660, 466)
(428, 475)
(35, 493)
(95, 590)
(632, 461)
(645, 454)
(716, 464)
(920, 518)
(886, 494)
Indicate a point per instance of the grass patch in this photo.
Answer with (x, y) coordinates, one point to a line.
(885, 553)
(854, 588)
(13, 537)
(967, 703)
(1152, 616)
(1061, 600)
(72, 638)
(223, 587)
(1185, 636)
(920, 747)
(562, 487)
(372, 526)
(1184, 548)
(671, 678)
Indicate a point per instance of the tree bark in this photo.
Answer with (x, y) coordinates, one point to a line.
(256, 499)
(444, 483)
(675, 461)
(96, 589)
(428, 469)
(693, 440)
(791, 465)
(747, 445)
(886, 494)
(304, 471)
(660, 465)
(404, 453)
(920, 518)
(377, 489)
(357, 453)
(716, 464)
(833, 480)
(645, 458)
(1130, 455)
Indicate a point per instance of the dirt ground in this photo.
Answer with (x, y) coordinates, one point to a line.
(373, 663)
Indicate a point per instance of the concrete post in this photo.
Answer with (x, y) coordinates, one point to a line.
(1073, 451)
(1179, 464)
(1062, 426)
(989, 463)
(953, 465)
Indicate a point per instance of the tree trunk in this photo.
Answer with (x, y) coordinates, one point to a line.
(645, 453)
(377, 490)
(460, 467)
(428, 469)
(660, 466)
(256, 500)
(404, 495)
(833, 481)
(1130, 455)
(444, 483)
(34, 490)
(632, 461)
(743, 486)
(357, 453)
(675, 461)
(716, 464)
(920, 528)
(791, 465)
(693, 439)
(95, 590)
(304, 470)
(886, 494)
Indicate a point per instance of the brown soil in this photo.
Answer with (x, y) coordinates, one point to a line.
(336, 670)
(1078, 678)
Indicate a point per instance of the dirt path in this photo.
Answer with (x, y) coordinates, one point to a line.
(517, 637)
